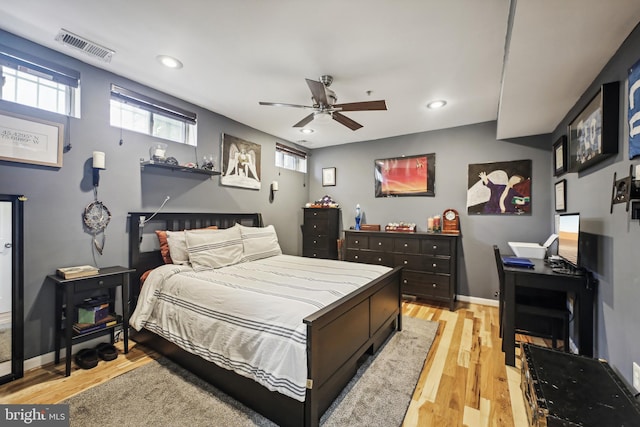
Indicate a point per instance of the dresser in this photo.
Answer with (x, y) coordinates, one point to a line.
(430, 260)
(320, 233)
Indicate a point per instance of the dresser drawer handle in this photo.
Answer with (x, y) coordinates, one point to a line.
(315, 213)
(355, 257)
(379, 243)
(315, 241)
(435, 246)
(405, 281)
(406, 244)
(379, 259)
(435, 265)
(406, 262)
(357, 241)
(100, 282)
(434, 285)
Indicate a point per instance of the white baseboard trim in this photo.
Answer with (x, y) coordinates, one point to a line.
(44, 359)
(480, 301)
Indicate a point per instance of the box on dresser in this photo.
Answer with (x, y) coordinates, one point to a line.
(430, 260)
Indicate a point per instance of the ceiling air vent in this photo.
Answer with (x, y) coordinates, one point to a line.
(90, 48)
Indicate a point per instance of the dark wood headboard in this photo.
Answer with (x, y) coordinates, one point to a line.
(173, 221)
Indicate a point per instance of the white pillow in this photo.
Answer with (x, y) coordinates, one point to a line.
(259, 242)
(209, 249)
(177, 247)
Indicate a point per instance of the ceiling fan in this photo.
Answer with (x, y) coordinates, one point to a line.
(325, 107)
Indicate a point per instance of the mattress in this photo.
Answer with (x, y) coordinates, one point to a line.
(248, 317)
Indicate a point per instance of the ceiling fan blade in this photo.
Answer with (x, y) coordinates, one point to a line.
(362, 106)
(280, 104)
(341, 118)
(318, 92)
(304, 122)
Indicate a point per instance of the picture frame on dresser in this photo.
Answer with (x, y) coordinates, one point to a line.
(560, 156)
(593, 133)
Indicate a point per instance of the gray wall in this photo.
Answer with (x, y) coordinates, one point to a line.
(614, 236)
(455, 149)
(54, 235)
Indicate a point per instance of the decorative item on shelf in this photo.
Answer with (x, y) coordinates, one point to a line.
(207, 163)
(358, 216)
(430, 224)
(450, 221)
(401, 227)
(157, 152)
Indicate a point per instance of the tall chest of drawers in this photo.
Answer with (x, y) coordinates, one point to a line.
(320, 233)
(430, 260)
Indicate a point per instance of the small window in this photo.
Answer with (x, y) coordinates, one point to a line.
(291, 158)
(37, 83)
(140, 113)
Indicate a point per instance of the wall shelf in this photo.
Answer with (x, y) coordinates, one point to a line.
(177, 168)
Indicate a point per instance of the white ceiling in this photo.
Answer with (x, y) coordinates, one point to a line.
(525, 70)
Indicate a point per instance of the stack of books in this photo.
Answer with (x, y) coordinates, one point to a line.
(85, 328)
(78, 271)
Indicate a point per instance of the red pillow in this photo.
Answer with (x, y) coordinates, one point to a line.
(164, 245)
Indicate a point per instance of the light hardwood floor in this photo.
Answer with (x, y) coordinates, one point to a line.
(464, 381)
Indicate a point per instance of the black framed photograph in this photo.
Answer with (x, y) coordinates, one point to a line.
(560, 156)
(561, 195)
(328, 177)
(593, 134)
(405, 176)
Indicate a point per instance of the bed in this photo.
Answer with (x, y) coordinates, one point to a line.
(335, 339)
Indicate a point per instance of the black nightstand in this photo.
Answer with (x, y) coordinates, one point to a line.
(108, 278)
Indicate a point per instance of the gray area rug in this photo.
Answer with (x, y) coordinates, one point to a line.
(164, 394)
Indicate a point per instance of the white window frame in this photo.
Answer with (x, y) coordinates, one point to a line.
(147, 114)
(291, 158)
(26, 80)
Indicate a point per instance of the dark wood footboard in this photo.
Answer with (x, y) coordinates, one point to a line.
(341, 333)
(337, 336)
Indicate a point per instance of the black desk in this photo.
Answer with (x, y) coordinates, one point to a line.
(543, 277)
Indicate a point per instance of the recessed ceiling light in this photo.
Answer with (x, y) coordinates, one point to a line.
(169, 61)
(307, 130)
(434, 105)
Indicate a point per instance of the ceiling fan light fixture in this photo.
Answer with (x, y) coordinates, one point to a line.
(434, 105)
(322, 116)
(169, 61)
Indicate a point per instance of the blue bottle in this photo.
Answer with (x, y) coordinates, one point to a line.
(358, 216)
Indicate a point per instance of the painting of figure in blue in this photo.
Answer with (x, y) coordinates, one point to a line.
(499, 188)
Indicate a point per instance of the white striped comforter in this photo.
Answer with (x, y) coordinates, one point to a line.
(248, 317)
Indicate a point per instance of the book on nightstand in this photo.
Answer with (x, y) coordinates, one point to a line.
(83, 328)
(78, 271)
